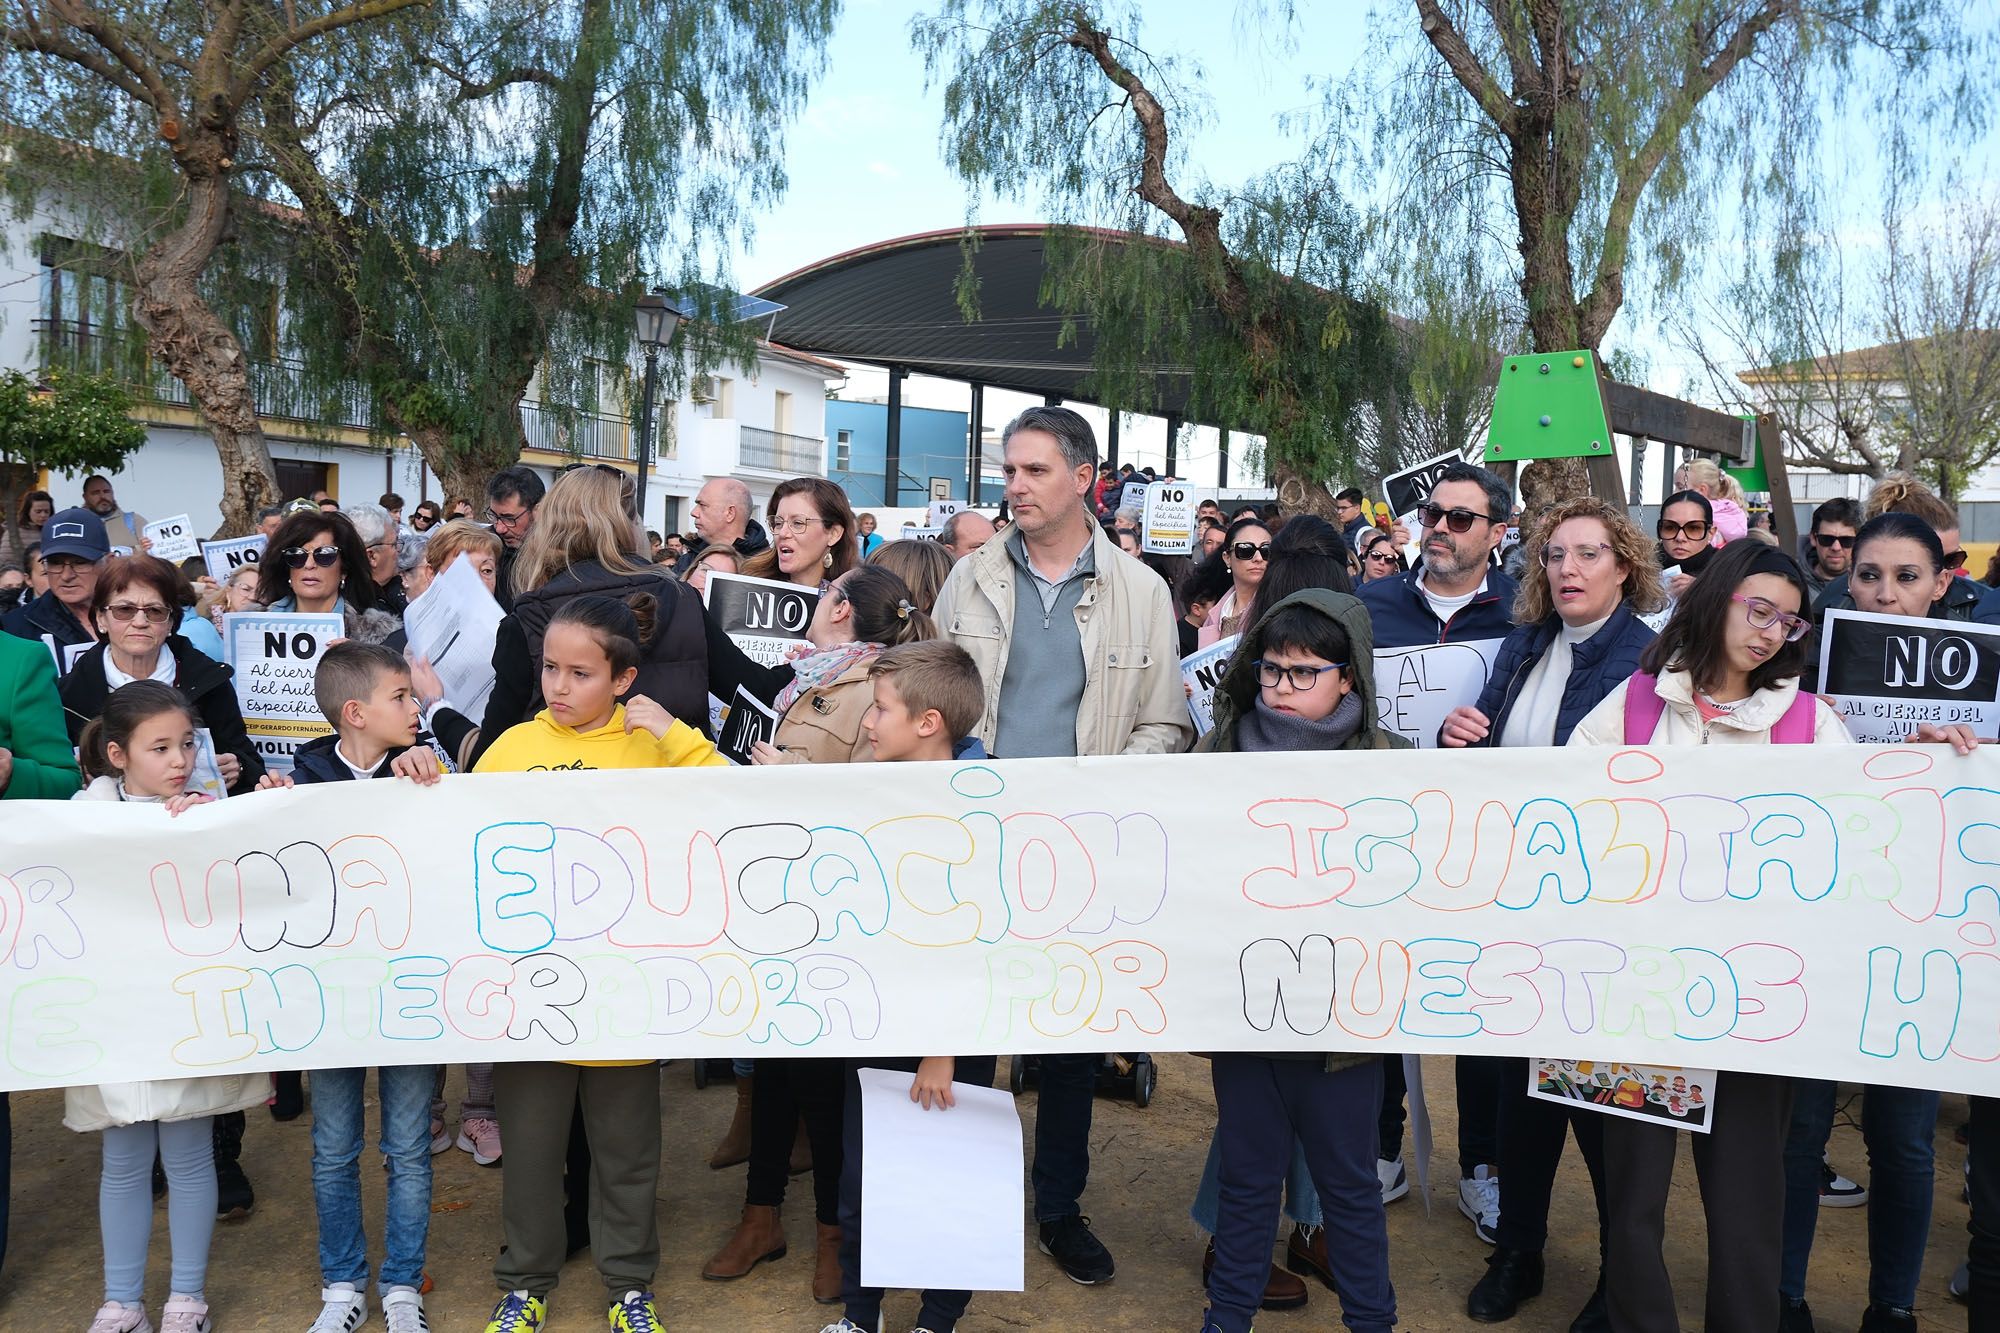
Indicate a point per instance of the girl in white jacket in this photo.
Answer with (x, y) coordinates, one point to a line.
(141, 752)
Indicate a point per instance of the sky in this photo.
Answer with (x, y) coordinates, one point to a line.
(864, 163)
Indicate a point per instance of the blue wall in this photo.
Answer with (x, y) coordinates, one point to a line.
(934, 443)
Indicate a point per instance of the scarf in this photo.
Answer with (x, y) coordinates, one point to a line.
(163, 670)
(820, 666)
(1266, 729)
(1692, 565)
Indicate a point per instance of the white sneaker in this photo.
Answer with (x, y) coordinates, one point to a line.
(342, 1309)
(1479, 1199)
(186, 1314)
(1395, 1181)
(113, 1317)
(403, 1311)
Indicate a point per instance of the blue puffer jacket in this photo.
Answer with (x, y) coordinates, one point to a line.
(1598, 666)
(1403, 619)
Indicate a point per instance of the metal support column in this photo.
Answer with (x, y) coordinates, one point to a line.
(1173, 442)
(892, 458)
(1222, 458)
(1111, 439)
(975, 444)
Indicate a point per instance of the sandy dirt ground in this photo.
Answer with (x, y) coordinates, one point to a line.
(263, 1274)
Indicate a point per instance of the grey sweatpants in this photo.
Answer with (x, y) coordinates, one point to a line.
(621, 1116)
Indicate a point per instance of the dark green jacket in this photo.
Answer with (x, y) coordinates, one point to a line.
(1237, 695)
(31, 724)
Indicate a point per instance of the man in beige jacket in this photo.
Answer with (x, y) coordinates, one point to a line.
(1077, 647)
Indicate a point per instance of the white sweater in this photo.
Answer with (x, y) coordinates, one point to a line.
(1681, 722)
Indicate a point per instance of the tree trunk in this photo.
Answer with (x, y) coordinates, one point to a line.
(1301, 494)
(195, 346)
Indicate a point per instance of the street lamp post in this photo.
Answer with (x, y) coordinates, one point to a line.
(657, 318)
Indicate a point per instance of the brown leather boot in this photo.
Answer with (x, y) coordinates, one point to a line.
(759, 1237)
(735, 1145)
(1305, 1254)
(826, 1266)
(1282, 1291)
(802, 1150)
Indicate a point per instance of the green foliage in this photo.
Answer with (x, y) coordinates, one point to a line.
(73, 423)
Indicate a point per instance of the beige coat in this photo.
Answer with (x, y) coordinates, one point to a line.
(824, 725)
(1133, 701)
(1681, 722)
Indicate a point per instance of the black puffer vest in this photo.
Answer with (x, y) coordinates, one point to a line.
(673, 669)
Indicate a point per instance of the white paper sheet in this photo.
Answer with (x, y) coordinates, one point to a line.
(173, 539)
(941, 1196)
(453, 624)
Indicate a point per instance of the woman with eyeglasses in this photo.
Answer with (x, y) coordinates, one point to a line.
(1685, 529)
(1724, 671)
(1381, 558)
(136, 608)
(1297, 1126)
(812, 535)
(316, 564)
(1578, 638)
(1246, 554)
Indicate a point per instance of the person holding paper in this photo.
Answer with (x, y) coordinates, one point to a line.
(1724, 671)
(1302, 679)
(1686, 524)
(1579, 638)
(73, 546)
(925, 700)
(317, 565)
(124, 527)
(135, 606)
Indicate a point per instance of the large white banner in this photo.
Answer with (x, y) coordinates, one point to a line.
(1832, 911)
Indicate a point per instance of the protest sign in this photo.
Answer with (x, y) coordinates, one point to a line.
(1676, 1096)
(746, 722)
(940, 512)
(1166, 525)
(173, 539)
(1202, 671)
(1671, 906)
(1409, 488)
(765, 617)
(921, 534)
(1133, 495)
(454, 624)
(225, 558)
(1415, 688)
(1890, 674)
(207, 775)
(275, 656)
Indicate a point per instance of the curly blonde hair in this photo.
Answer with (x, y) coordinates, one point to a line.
(1901, 493)
(1642, 590)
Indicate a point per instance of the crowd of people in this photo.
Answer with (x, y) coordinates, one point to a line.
(1048, 632)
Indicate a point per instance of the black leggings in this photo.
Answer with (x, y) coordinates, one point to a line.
(782, 1091)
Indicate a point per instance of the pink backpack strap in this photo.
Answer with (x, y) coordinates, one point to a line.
(1796, 726)
(1643, 707)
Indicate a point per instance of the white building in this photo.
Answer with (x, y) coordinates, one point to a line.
(761, 424)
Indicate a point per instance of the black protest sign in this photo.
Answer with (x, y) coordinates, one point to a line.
(765, 617)
(1409, 488)
(1891, 674)
(749, 722)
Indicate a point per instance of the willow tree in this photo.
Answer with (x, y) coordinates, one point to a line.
(1246, 298)
(489, 187)
(120, 87)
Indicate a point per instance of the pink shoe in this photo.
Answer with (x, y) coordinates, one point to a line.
(440, 1136)
(115, 1318)
(186, 1314)
(480, 1137)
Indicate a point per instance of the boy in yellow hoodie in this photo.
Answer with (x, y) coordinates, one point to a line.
(590, 656)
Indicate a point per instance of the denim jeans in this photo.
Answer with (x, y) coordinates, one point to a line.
(1898, 1125)
(338, 1130)
(1063, 1104)
(1301, 1199)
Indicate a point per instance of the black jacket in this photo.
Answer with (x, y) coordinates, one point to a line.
(207, 685)
(46, 615)
(315, 761)
(1598, 666)
(752, 541)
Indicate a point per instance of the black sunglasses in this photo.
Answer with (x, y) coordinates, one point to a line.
(1457, 520)
(1955, 559)
(326, 557)
(1248, 550)
(1826, 539)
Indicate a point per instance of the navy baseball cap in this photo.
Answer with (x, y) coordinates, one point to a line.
(76, 532)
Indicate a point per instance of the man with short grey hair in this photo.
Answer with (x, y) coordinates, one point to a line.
(965, 532)
(1079, 655)
(378, 534)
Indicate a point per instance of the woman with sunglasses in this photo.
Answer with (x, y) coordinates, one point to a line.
(1246, 554)
(316, 564)
(424, 517)
(136, 608)
(1724, 671)
(1578, 637)
(1381, 558)
(1685, 530)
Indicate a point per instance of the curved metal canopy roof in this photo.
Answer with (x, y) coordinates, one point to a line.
(893, 304)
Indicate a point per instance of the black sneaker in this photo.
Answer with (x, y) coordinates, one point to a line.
(1081, 1256)
(1794, 1316)
(234, 1199)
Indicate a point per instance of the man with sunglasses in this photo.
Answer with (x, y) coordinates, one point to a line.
(1829, 547)
(1455, 594)
(511, 498)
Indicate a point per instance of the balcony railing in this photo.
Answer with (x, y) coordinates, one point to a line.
(775, 451)
(585, 435)
(280, 386)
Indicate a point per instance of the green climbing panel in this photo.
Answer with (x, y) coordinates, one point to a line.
(1548, 406)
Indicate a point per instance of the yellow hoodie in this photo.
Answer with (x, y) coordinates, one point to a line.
(545, 745)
